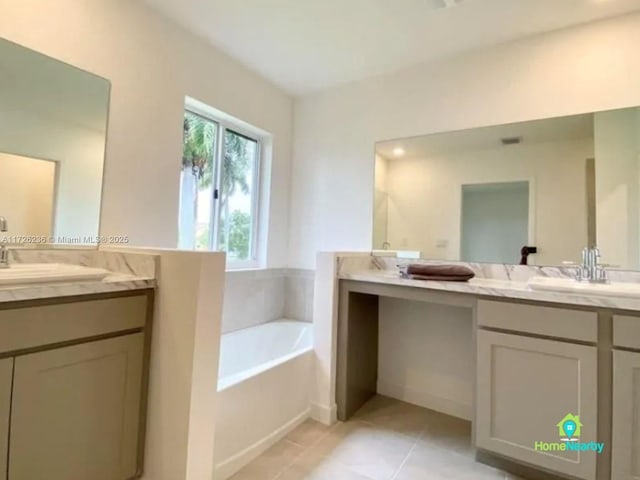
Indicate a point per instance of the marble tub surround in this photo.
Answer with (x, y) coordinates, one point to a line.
(298, 299)
(253, 297)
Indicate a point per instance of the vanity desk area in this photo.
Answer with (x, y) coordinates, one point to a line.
(540, 351)
(539, 355)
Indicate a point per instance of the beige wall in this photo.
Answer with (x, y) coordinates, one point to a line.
(152, 65)
(617, 147)
(425, 199)
(583, 69)
(26, 196)
(426, 355)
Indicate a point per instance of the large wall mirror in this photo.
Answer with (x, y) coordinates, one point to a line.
(53, 121)
(480, 195)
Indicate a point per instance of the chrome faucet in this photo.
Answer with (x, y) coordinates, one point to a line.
(591, 270)
(4, 252)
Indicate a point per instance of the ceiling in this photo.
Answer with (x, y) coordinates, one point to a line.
(309, 45)
(537, 131)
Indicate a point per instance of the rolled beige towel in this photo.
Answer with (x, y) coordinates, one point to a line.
(445, 273)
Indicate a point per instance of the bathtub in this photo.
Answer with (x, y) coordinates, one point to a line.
(264, 383)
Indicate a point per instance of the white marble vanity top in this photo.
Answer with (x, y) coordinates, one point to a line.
(126, 272)
(114, 282)
(495, 288)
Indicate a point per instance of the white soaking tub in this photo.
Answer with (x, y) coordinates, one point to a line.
(264, 383)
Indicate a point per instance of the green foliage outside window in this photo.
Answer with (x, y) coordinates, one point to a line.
(199, 152)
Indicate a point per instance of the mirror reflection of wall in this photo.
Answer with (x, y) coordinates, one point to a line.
(53, 120)
(617, 175)
(28, 198)
(380, 205)
(455, 195)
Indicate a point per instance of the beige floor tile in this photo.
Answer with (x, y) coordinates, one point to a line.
(386, 440)
(429, 463)
(395, 415)
(450, 433)
(308, 433)
(271, 463)
(313, 467)
(365, 449)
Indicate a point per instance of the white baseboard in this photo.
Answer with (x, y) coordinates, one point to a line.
(426, 400)
(227, 468)
(324, 414)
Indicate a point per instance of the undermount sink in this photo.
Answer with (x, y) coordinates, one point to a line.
(25, 273)
(613, 289)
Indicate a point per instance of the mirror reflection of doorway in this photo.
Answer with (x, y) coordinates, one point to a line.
(495, 221)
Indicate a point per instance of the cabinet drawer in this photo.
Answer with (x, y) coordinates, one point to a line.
(626, 331)
(548, 321)
(34, 326)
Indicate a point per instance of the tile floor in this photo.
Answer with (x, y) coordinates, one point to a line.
(386, 440)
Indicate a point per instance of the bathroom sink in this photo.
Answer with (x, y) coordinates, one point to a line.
(30, 273)
(613, 289)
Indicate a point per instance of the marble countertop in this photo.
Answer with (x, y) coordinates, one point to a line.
(495, 288)
(127, 271)
(114, 282)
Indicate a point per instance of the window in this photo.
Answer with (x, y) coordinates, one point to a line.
(219, 189)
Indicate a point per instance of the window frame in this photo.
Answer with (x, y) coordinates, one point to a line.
(222, 126)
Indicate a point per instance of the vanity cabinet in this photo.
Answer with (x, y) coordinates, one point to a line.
(626, 415)
(6, 374)
(526, 385)
(76, 411)
(72, 387)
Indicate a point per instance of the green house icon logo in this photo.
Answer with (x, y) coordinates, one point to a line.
(570, 427)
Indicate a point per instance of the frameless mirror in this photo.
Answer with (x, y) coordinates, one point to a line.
(53, 121)
(553, 186)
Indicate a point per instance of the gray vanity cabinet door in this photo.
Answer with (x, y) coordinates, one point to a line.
(6, 373)
(626, 416)
(76, 410)
(526, 387)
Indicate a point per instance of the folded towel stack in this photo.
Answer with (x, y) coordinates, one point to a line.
(443, 273)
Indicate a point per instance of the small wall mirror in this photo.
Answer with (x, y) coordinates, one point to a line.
(53, 123)
(553, 185)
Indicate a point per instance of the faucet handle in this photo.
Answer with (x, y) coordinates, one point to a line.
(603, 275)
(585, 257)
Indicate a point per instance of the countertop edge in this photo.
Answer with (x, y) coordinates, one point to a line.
(113, 283)
(520, 291)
